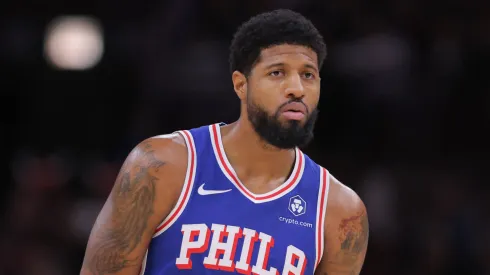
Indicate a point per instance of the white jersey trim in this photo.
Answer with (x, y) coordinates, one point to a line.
(143, 264)
(320, 214)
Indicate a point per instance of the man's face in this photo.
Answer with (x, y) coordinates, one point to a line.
(283, 90)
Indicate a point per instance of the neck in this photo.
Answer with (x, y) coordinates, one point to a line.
(253, 156)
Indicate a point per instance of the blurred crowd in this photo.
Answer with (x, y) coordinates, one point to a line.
(404, 119)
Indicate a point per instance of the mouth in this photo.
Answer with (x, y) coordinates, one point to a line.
(293, 115)
(294, 111)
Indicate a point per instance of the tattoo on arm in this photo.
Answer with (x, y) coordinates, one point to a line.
(354, 235)
(132, 202)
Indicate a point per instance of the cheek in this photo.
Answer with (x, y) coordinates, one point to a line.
(263, 94)
(313, 98)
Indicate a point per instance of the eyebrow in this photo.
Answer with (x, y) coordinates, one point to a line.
(279, 64)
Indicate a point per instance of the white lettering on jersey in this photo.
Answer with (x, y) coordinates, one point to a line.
(190, 245)
(266, 242)
(295, 262)
(221, 253)
(227, 249)
(250, 237)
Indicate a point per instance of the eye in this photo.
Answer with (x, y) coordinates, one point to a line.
(309, 75)
(276, 73)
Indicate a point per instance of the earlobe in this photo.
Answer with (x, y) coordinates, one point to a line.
(239, 84)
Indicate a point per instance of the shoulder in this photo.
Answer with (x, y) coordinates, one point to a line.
(162, 157)
(159, 151)
(342, 200)
(167, 148)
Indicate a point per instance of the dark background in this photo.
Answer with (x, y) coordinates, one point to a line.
(404, 119)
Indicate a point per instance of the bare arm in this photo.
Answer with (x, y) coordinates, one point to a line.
(136, 205)
(346, 233)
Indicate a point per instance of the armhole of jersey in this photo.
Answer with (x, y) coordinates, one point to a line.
(320, 214)
(186, 188)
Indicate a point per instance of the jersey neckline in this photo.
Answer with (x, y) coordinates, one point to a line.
(229, 171)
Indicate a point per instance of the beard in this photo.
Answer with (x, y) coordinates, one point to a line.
(283, 135)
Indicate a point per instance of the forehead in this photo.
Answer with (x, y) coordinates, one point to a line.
(288, 54)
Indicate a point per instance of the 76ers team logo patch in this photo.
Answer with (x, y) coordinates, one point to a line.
(297, 205)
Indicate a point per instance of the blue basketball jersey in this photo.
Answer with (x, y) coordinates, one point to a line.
(219, 227)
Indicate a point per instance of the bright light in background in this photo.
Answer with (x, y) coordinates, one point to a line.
(73, 43)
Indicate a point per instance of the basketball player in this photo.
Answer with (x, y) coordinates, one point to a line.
(238, 198)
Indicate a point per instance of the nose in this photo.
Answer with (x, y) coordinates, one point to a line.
(294, 87)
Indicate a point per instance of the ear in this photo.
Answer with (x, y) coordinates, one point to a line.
(239, 84)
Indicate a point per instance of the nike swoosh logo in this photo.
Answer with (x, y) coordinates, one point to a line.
(203, 192)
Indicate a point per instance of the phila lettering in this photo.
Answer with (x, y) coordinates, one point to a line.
(199, 238)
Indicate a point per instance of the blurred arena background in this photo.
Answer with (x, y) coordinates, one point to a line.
(404, 119)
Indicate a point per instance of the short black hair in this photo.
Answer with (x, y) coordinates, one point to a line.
(272, 28)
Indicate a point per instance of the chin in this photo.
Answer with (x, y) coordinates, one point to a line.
(293, 122)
